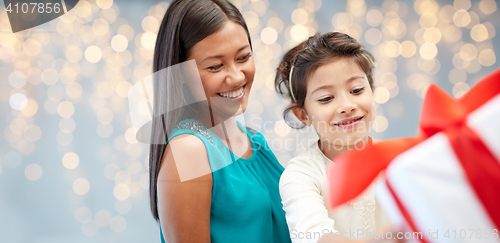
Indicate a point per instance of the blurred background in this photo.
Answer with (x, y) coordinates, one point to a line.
(70, 167)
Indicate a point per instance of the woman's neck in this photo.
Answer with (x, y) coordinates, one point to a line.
(332, 150)
(228, 131)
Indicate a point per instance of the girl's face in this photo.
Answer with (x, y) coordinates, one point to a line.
(339, 103)
(225, 63)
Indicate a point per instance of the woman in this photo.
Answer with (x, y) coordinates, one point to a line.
(214, 180)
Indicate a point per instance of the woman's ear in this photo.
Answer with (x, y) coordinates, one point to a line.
(301, 114)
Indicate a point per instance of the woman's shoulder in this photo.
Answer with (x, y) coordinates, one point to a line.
(179, 157)
(193, 127)
(185, 144)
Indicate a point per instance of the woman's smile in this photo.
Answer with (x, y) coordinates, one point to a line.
(236, 94)
(226, 70)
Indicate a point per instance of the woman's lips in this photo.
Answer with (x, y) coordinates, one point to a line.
(239, 97)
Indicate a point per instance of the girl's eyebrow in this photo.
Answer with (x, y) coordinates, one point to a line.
(219, 56)
(330, 86)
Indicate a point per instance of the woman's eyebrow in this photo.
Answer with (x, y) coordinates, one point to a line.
(212, 57)
(243, 47)
(219, 56)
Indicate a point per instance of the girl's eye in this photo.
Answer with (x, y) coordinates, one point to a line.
(357, 91)
(245, 57)
(215, 68)
(326, 99)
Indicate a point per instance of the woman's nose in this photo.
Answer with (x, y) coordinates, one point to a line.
(235, 75)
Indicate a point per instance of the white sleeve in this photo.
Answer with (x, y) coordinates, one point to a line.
(306, 214)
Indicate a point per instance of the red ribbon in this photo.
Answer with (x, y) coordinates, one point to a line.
(354, 171)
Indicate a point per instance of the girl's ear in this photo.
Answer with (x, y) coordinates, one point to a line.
(301, 114)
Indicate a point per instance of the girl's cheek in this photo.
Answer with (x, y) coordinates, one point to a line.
(373, 111)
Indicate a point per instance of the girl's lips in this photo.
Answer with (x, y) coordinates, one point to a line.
(349, 123)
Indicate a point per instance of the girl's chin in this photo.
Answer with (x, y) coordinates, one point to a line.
(346, 140)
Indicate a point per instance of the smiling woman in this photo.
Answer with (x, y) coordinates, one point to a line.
(225, 63)
(211, 179)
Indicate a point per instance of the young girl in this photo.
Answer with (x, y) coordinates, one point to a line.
(328, 79)
(235, 198)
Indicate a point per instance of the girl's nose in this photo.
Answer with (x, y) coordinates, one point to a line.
(346, 105)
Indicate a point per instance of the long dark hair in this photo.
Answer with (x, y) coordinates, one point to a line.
(308, 56)
(185, 23)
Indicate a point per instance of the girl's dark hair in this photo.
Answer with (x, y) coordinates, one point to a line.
(308, 56)
(185, 23)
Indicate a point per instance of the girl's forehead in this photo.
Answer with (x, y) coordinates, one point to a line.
(339, 72)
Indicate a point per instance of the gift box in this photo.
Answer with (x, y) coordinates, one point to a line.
(444, 183)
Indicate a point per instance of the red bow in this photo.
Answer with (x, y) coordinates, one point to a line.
(355, 171)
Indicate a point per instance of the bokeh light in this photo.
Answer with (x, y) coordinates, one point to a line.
(299, 33)
(269, 35)
(428, 51)
(93, 54)
(103, 218)
(17, 79)
(33, 172)
(118, 224)
(488, 6)
(70, 160)
(119, 43)
(148, 40)
(66, 109)
(18, 101)
(380, 124)
(89, 228)
(381, 95)
(83, 214)
(104, 4)
(81, 186)
(121, 192)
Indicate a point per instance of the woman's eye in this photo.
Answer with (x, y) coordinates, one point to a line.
(215, 68)
(357, 91)
(245, 57)
(326, 99)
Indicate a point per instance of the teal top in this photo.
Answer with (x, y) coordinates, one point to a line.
(246, 204)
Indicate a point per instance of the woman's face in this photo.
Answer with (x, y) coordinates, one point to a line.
(339, 103)
(225, 63)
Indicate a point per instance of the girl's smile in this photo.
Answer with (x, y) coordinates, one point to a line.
(349, 123)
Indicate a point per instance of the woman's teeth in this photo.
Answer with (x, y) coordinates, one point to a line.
(233, 94)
